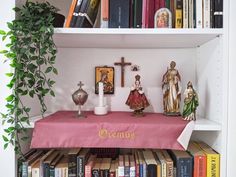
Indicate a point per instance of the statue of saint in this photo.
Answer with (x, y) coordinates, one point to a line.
(190, 103)
(137, 100)
(171, 91)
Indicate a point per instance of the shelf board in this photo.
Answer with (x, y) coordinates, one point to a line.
(200, 125)
(133, 38)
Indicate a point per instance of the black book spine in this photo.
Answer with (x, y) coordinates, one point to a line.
(76, 13)
(138, 6)
(72, 166)
(52, 172)
(131, 14)
(184, 167)
(46, 170)
(126, 171)
(212, 9)
(218, 14)
(119, 14)
(83, 9)
(106, 173)
(80, 166)
(151, 170)
(95, 173)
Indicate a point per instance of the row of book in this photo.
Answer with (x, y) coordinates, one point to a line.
(200, 160)
(145, 14)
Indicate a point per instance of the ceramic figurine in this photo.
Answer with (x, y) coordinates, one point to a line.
(190, 103)
(80, 97)
(171, 91)
(137, 100)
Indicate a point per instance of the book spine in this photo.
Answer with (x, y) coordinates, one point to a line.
(172, 9)
(52, 172)
(105, 173)
(131, 14)
(151, 170)
(178, 14)
(80, 166)
(46, 170)
(185, 13)
(218, 14)
(95, 173)
(70, 14)
(137, 13)
(83, 9)
(144, 14)
(156, 5)
(162, 4)
(137, 171)
(206, 15)
(112, 174)
(169, 169)
(199, 169)
(132, 172)
(121, 171)
(140, 170)
(75, 13)
(126, 171)
(35, 172)
(104, 13)
(194, 14)
(213, 165)
(144, 170)
(167, 4)
(88, 171)
(24, 169)
(150, 13)
(184, 167)
(163, 169)
(191, 25)
(199, 15)
(72, 166)
(29, 171)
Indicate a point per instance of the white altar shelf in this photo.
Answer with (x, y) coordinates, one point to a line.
(133, 38)
(200, 125)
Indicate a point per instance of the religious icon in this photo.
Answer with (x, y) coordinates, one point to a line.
(137, 100)
(105, 75)
(171, 91)
(190, 103)
(135, 68)
(163, 18)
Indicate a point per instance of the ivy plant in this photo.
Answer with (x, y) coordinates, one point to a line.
(31, 54)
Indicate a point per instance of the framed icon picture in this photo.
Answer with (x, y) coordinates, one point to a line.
(104, 74)
(163, 18)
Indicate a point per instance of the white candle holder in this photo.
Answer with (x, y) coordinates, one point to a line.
(102, 108)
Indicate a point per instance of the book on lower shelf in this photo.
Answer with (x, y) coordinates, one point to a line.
(132, 163)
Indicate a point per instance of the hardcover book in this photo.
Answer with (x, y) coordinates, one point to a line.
(105, 167)
(218, 14)
(75, 13)
(119, 14)
(151, 163)
(183, 162)
(82, 159)
(213, 160)
(199, 160)
(72, 162)
(127, 166)
(61, 169)
(179, 14)
(162, 160)
(96, 167)
(89, 166)
(47, 162)
(138, 5)
(169, 164)
(70, 14)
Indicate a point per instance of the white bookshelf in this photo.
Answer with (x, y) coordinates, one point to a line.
(133, 38)
(201, 124)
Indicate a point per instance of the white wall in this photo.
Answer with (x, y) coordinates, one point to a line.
(232, 92)
(7, 157)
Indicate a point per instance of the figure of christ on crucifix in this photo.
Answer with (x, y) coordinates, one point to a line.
(122, 64)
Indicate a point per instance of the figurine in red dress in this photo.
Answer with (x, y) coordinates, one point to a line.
(137, 100)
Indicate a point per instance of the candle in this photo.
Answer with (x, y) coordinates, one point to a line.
(100, 89)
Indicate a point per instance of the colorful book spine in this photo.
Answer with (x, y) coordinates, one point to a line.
(70, 14)
(144, 14)
(104, 13)
(178, 14)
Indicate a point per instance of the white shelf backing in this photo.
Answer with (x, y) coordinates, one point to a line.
(133, 38)
(200, 125)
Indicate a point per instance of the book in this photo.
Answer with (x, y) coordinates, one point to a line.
(138, 5)
(144, 14)
(121, 172)
(47, 162)
(96, 167)
(136, 163)
(143, 165)
(70, 14)
(158, 165)
(126, 166)
(75, 13)
(104, 13)
(42, 159)
(132, 166)
(162, 160)
(213, 159)
(150, 11)
(82, 159)
(185, 13)
(54, 163)
(61, 169)
(82, 12)
(199, 160)
(35, 168)
(151, 163)
(169, 164)
(72, 162)
(178, 14)
(114, 166)
(206, 13)
(199, 15)
(183, 162)
(218, 13)
(105, 167)
(119, 13)
(89, 165)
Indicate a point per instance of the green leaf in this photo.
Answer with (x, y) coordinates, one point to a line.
(16, 9)
(3, 38)
(52, 93)
(2, 32)
(48, 69)
(27, 109)
(5, 145)
(5, 138)
(31, 93)
(3, 51)
(55, 71)
(9, 74)
(10, 98)
(10, 25)
(9, 106)
(24, 119)
(10, 85)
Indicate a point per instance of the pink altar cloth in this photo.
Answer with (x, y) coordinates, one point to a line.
(116, 129)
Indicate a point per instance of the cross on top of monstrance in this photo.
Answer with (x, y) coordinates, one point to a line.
(122, 64)
(80, 84)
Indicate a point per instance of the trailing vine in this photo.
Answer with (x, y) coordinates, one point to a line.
(31, 53)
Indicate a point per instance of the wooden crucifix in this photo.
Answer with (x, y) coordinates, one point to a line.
(122, 64)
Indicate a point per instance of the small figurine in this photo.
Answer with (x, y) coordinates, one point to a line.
(190, 103)
(80, 97)
(171, 91)
(163, 18)
(137, 100)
